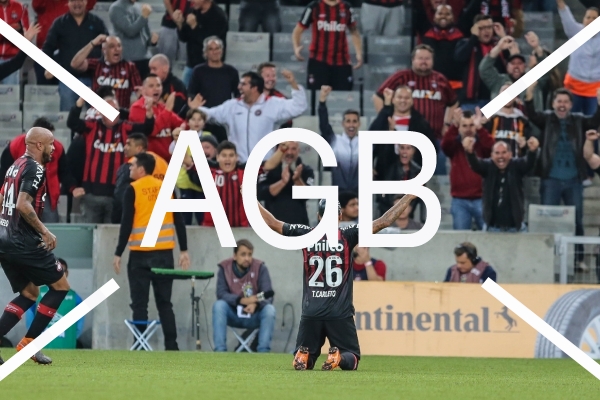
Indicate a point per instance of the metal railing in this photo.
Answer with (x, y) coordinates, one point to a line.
(567, 257)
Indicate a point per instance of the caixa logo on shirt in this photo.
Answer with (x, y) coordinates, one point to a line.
(426, 94)
(332, 26)
(115, 83)
(108, 147)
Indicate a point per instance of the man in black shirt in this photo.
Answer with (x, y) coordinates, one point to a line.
(503, 198)
(26, 244)
(327, 309)
(70, 33)
(203, 19)
(275, 186)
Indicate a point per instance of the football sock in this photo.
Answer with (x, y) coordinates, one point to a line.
(45, 312)
(349, 361)
(13, 313)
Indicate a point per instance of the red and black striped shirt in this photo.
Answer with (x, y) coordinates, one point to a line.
(328, 274)
(329, 23)
(123, 77)
(28, 176)
(181, 5)
(431, 94)
(228, 186)
(104, 149)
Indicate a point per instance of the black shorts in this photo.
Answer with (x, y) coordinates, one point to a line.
(340, 332)
(339, 77)
(38, 266)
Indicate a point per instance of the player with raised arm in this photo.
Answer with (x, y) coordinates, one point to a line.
(26, 244)
(327, 299)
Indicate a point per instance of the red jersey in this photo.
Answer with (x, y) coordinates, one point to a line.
(164, 122)
(47, 11)
(228, 186)
(15, 15)
(123, 77)
(329, 23)
(17, 149)
(431, 94)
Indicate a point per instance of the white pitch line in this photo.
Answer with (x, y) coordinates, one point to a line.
(59, 72)
(542, 327)
(541, 69)
(59, 327)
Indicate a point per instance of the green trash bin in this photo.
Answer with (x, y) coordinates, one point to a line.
(67, 339)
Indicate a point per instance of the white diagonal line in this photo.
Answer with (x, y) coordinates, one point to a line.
(59, 327)
(542, 327)
(542, 68)
(59, 72)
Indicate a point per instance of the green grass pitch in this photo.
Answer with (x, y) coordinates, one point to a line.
(94, 374)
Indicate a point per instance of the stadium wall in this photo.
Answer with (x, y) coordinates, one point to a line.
(512, 255)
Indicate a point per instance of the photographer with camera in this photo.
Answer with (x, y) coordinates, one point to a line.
(244, 298)
(469, 267)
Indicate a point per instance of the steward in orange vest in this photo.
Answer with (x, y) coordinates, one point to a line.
(138, 202)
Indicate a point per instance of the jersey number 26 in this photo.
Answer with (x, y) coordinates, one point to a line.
(331, 270)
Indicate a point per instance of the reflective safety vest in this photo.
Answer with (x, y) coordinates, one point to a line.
(146, 192)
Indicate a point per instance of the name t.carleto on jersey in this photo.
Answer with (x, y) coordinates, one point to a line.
(115, 83)
(332, 26)
(323, 293)
(426, 94)
(108, 147)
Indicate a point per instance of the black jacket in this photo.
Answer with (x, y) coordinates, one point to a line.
(516, 169)
(549, 125)
(384, 154)
(283, 206)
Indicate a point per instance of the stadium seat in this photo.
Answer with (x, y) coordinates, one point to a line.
(368, 107)
(101, 11)
(141, 339)
(290, 15)
(11, 119)
(244, 46)
(551, 219)
(234, 17)
(245, 343)
(9, 98)
(382, 50)
(339, 101)
(440, 185)
(376, 75)
(283, 50)
(178, 68)
(58, 119)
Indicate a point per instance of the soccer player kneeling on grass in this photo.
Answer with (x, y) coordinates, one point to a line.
(26, 244)
(327, 309)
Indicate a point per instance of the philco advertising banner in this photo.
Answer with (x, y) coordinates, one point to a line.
(443, 319)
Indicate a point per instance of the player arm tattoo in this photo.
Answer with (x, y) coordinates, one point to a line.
(271, 221)
(393, 213)
(25, 208)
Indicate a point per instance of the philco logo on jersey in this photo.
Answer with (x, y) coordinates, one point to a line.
(323, 245)
(39, 175)
(115, 83)
(108, 147)
(332, 26)
(426, 94)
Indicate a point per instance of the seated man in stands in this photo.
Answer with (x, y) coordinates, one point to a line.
(367, 268)
(244, 298)
(469, 268)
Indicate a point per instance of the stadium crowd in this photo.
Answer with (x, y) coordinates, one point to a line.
(465, 54)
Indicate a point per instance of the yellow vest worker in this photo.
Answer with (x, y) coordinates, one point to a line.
(138, 202)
